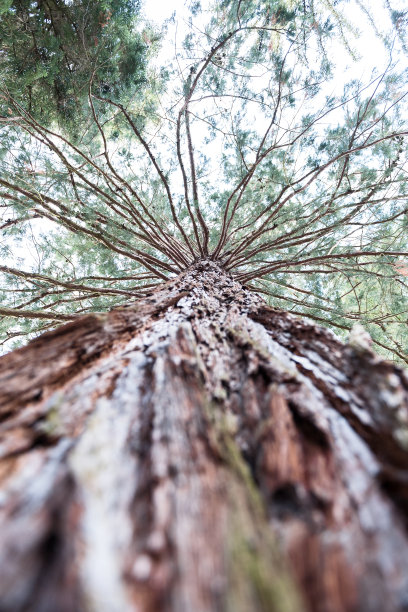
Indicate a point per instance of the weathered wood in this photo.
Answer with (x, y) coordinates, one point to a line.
(200, 451)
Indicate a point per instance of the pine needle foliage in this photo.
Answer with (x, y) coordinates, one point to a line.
(50, 49)
(244, 150)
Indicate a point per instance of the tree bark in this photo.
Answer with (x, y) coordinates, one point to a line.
(200, 451)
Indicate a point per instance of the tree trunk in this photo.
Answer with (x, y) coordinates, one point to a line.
(200, 451)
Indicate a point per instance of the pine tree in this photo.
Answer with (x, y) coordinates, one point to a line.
(185, 441)
(50, 50)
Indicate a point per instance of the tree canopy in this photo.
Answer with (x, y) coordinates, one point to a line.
(50, 50)
(248, 148)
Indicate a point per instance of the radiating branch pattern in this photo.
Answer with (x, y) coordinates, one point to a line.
(251, 156)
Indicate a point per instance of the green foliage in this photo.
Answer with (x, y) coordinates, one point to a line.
(50, 50)
(256, 152)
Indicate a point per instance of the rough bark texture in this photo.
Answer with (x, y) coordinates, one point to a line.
(201, 451)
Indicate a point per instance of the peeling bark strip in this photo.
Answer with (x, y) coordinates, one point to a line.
(199, 451)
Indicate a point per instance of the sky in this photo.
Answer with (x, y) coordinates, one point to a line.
(366, 43)
(369, 53)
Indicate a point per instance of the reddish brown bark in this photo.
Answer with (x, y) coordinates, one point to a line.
(201, 451)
